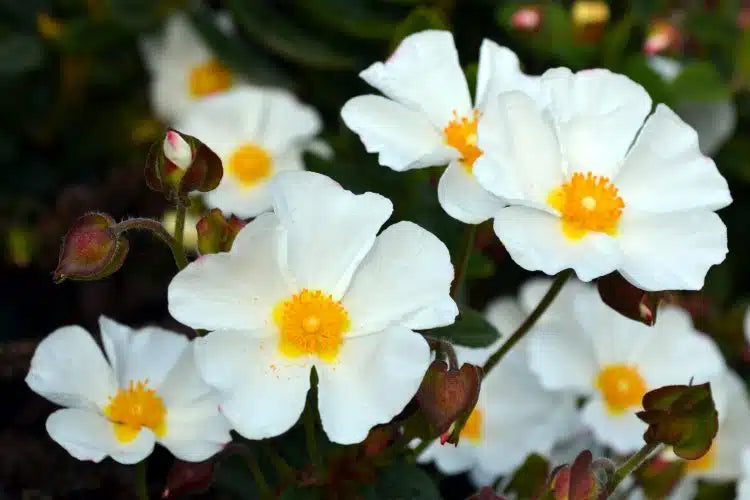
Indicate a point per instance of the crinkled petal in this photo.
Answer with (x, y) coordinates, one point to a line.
(329, 230)
(407, 270)
(69, 369)
(671, 251)
(285, 122)
(623, 432)
(463, 198)
(232, 198)
(535, 241)
(666, 172)
(235, 290)
(424, 74)
(196, 433)
(87, 435)
(372, 380)
(442, 312)
(262, 392)
(500, 71)
(598, 114)
(403, 138)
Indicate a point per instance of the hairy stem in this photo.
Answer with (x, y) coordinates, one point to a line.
(632, 464)
(179, 235)
(158, 230)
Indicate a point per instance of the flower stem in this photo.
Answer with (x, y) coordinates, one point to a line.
(283, 469)
(632, 464)
(260, 481)
(141, 488)
(421, 447)
(158, 230)
(458, 283)
(311, 441)
(548, 298)
(179, 235)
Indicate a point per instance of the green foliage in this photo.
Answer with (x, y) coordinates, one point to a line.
(404, 481)
(471, 329)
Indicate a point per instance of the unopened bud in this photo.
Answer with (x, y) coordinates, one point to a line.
(584, 479)
(589, 19)
(91, 250)
(662, 37)
(177, 150)
(527, 18)
(215, 233)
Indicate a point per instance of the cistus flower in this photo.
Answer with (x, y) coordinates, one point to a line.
(514, 417)
(183, 69)
(588, 191)
(312, 285)
(743, 485)
(146, 391)
(256, 132)
(614, 361)
(427, 118)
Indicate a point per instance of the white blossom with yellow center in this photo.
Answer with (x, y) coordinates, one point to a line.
(593, 188)
(149, 392)
(614, 361)
(183, 68)
(427, 118)
(313, 285)
(514, 416)
(256, 132)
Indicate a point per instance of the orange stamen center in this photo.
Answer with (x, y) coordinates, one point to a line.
(621, 386)
(461, 133)
(208, 78)
(136, 407)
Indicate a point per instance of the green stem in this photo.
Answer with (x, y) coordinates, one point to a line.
(421, 447)
(310, 439)
(265, 492)
(179, 235)
(529, 322)
(458, 283)
(158, 230)
(443, 348)
(283, 469)
(141, 488)
(632, 464)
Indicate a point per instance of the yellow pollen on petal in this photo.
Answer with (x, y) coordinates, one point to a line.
(136, 407)
(473, 427)
(311, 322)
(208, 78)
(621, 386)
(587, 203)
(250, 164)
(461, 134)
(704, 463)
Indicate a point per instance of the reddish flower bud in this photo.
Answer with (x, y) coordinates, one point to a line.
(528, 18)
(179, 164)
(186, 478)
(662, 37)
(584, 479)
(629, 300)
(215, 233)
(378, 440)
(90, 250)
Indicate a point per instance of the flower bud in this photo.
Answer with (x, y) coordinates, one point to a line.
(629, 300)
(215, 233)
(527, 18)
(90, 250)
(662, 37)
(589, 18)
(187, 478)
(584, 479)
(177, 150)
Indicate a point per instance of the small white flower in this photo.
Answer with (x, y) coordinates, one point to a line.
(615, 361)
(426, 117)
(314, 285)
(183, 69)
(514, 417)
(587, 194)
(256, 132)
(148, 392)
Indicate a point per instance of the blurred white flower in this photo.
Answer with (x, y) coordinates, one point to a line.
(743, 486)
(314, 285)
(426, 117)
(614, 361)
(256, 132)
(183, 68)
(148, 392)
(586, 194)
(190, 234)
(514, 417)
(714, 121)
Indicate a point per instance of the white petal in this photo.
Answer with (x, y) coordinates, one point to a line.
(563, 359)
(666, 172)
(69, 369)
(479, 477)
(403, 138)
(196, 433)
(743, 487)
(521, 159)
(286, 122)
(424, 74)
(535, 241)
(715, 122)
(671, 251)
(598, 114)
(463, 198)
(500, 71)
(623, 432)
(442, 312)
(320, 148)
(329, 230)
(235, 290)
(88, 435)
(372, 380)
(183, 385)
(137, 355)
(407, 270)
(245, 202)
(505, 315)
(558, 313)
(262, 392)
(449, 459)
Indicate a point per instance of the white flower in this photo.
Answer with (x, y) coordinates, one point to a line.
(256, 132)
(587, 194)
(148, 392)
(427, 117)
(313, 285)
(714, 121)
(743, 486)
(615, 361)
(183, 69)
(514, 417)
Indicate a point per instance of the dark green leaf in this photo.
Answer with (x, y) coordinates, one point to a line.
(402, 481)
(615, 42)
(529, 479)
(419, 19)
(700, 81)
(471, 329)
(350, 18)
(20, 54)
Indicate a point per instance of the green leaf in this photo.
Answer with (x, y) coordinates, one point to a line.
(615, 42)
(350, 18)
(480, 267)
(402, 481)
(637, 69)
(419, 19)
(20, 54)
(700, 81)
(529, 479)
(270, 28)
(471, 329)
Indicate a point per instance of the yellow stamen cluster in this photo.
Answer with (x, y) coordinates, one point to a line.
(136, 407)
(461, 133)
(473, 427)
(250, 164)
(621, 386)
(209, 78)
